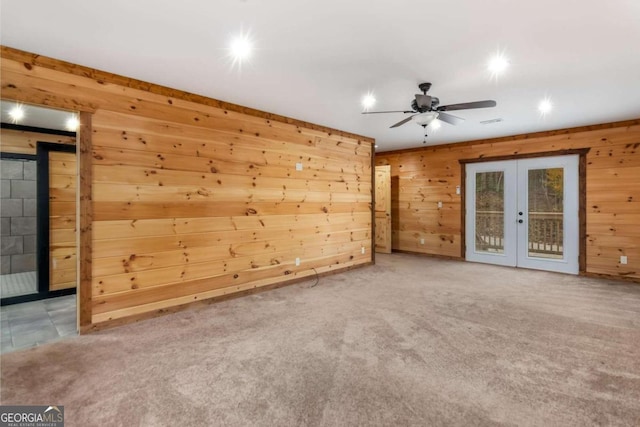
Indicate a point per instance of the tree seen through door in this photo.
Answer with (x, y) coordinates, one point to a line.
(545, 212)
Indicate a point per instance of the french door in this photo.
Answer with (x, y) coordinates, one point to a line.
(524, 213)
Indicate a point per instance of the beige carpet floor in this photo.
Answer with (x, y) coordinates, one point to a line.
(409, 341)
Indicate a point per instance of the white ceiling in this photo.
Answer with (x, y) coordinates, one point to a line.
(315, 60)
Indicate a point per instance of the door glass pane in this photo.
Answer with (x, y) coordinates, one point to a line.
(18, 273)
(545, 195)
(490, 212)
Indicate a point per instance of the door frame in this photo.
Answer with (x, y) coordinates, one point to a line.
(43, 223)
(84, 198)
(582, 195)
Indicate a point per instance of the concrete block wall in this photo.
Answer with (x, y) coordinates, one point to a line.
(17, 216)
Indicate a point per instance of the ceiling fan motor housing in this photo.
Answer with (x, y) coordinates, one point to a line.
(434, 103)
(415, 107)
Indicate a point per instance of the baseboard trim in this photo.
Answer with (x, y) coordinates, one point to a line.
(635, 280)
(447, 257)
(620, 278)
(95, 327)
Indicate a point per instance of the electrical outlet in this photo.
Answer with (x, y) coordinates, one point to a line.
(362, 250)
(422, 241)
(439, 205)
(623, 259)
(298, 166)
(297, 262)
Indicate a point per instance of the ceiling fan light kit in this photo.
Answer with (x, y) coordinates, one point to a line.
(424, 119)
(425, 109)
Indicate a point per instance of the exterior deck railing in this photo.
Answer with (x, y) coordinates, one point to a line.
(545, 232)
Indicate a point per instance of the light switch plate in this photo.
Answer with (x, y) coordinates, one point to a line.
(298, 166)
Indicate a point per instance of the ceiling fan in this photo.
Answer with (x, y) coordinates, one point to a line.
(426, 108)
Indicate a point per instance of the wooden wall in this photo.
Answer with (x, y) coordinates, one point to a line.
(422, 177)
(192, 198)
(63, 244)
(24, 142)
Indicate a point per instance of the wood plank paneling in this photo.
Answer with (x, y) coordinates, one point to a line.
(383, 209)
(24, 142)
(184, 197)
(170, 227)
(109, 304)
(428, 175)
(62, 225)
(85, 222)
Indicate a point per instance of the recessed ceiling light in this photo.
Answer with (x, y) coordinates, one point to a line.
(16, 113)
(545, 106)
(498, 64)
(241, 48)
(72, 123)
(368, 101)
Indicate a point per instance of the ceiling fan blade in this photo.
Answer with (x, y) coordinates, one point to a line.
(423, 100)
(401, 122)
(468, 105)
(385, 112)
(449, 118)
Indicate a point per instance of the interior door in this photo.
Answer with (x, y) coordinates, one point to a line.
(524, 213)
(383, 209)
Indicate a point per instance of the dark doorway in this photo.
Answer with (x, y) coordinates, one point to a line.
(36, 210)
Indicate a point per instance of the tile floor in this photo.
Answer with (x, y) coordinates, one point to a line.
(38, 322)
